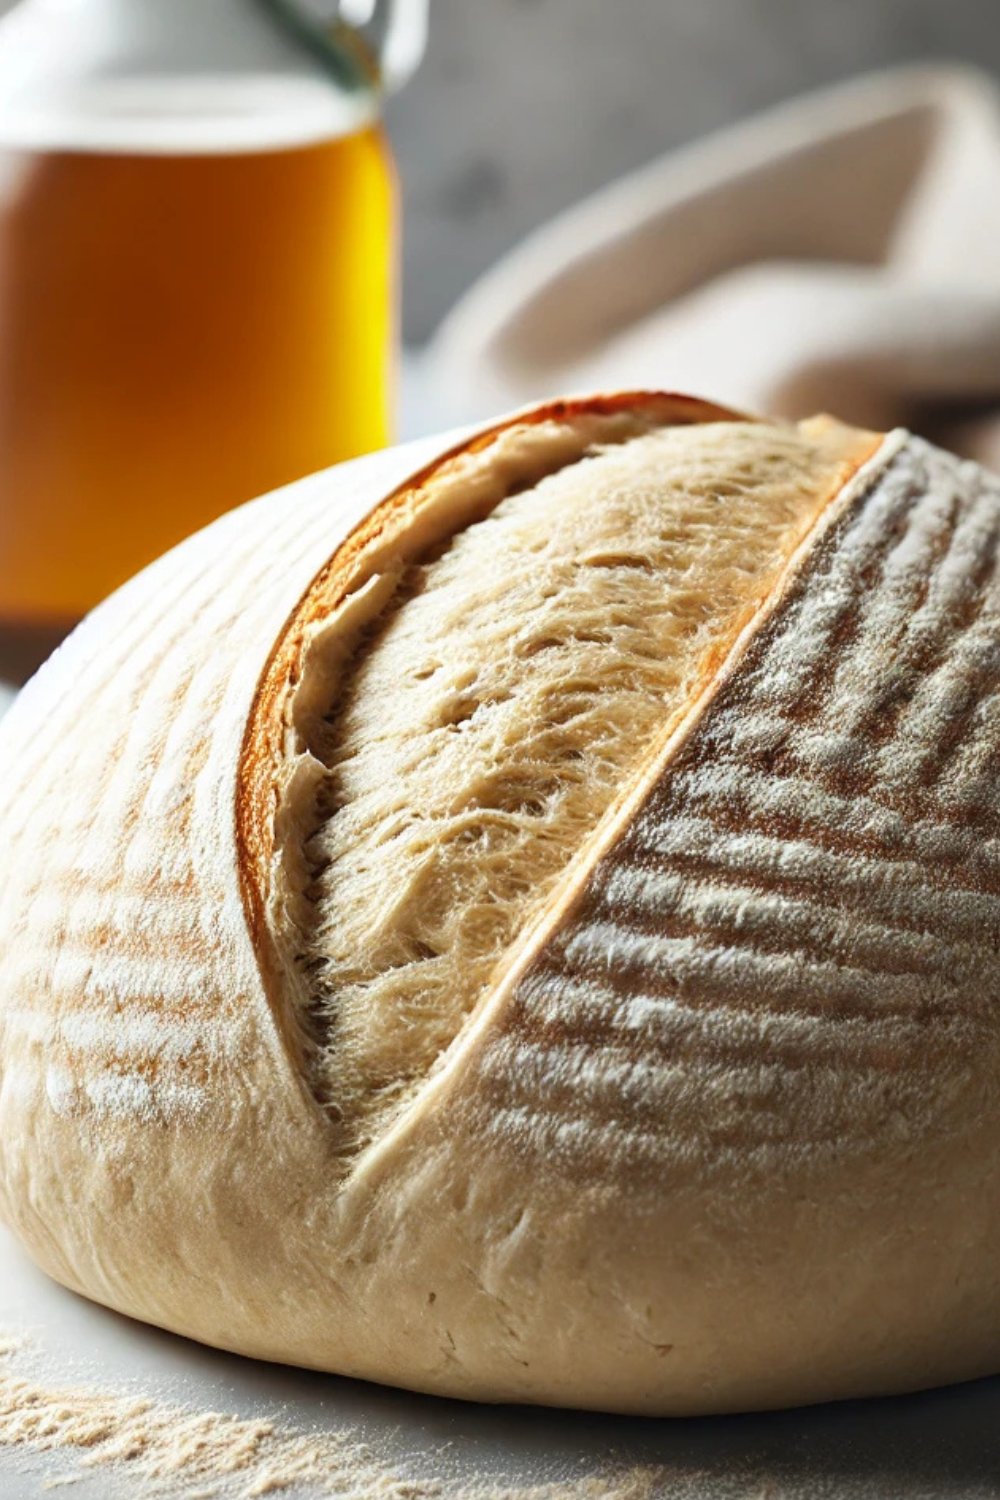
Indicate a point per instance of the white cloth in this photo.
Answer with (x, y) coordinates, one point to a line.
(841, 252)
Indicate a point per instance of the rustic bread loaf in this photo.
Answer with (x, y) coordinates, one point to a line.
(519, 918)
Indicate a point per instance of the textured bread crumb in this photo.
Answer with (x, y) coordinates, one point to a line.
(507, 691)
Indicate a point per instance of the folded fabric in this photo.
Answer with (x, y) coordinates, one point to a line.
(838, 252)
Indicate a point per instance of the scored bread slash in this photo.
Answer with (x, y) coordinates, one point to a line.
(469, 686)
(517, 917)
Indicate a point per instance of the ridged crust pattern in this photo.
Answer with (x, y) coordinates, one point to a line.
(793, 950)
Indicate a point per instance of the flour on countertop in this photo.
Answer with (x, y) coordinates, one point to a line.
(188, 1453)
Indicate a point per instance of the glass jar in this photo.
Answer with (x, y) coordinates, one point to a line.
(197, 276)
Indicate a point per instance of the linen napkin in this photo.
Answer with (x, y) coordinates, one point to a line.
(839, 253)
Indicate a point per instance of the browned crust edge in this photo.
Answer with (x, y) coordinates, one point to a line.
(256, 799)
(261, 750)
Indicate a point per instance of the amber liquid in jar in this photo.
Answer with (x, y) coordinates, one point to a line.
(177, 335)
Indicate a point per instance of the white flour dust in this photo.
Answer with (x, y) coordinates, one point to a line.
(193, 1454)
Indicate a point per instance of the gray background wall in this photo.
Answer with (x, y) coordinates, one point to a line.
(523, 106)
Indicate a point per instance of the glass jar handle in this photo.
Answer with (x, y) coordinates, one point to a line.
(403, 34)
(363, 43)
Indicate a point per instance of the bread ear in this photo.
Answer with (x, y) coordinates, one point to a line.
(466, 689)
(463, 479)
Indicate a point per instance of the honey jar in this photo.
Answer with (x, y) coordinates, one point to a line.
(197, 278)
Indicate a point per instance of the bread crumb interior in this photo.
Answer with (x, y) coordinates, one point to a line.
(500, 698)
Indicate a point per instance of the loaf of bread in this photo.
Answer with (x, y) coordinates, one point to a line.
(518, 918)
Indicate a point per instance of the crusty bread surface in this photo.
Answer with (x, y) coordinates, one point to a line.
(494, 706)
(518, 917)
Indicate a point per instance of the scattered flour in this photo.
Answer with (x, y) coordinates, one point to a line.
(148, 1448)
(194, 1454)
